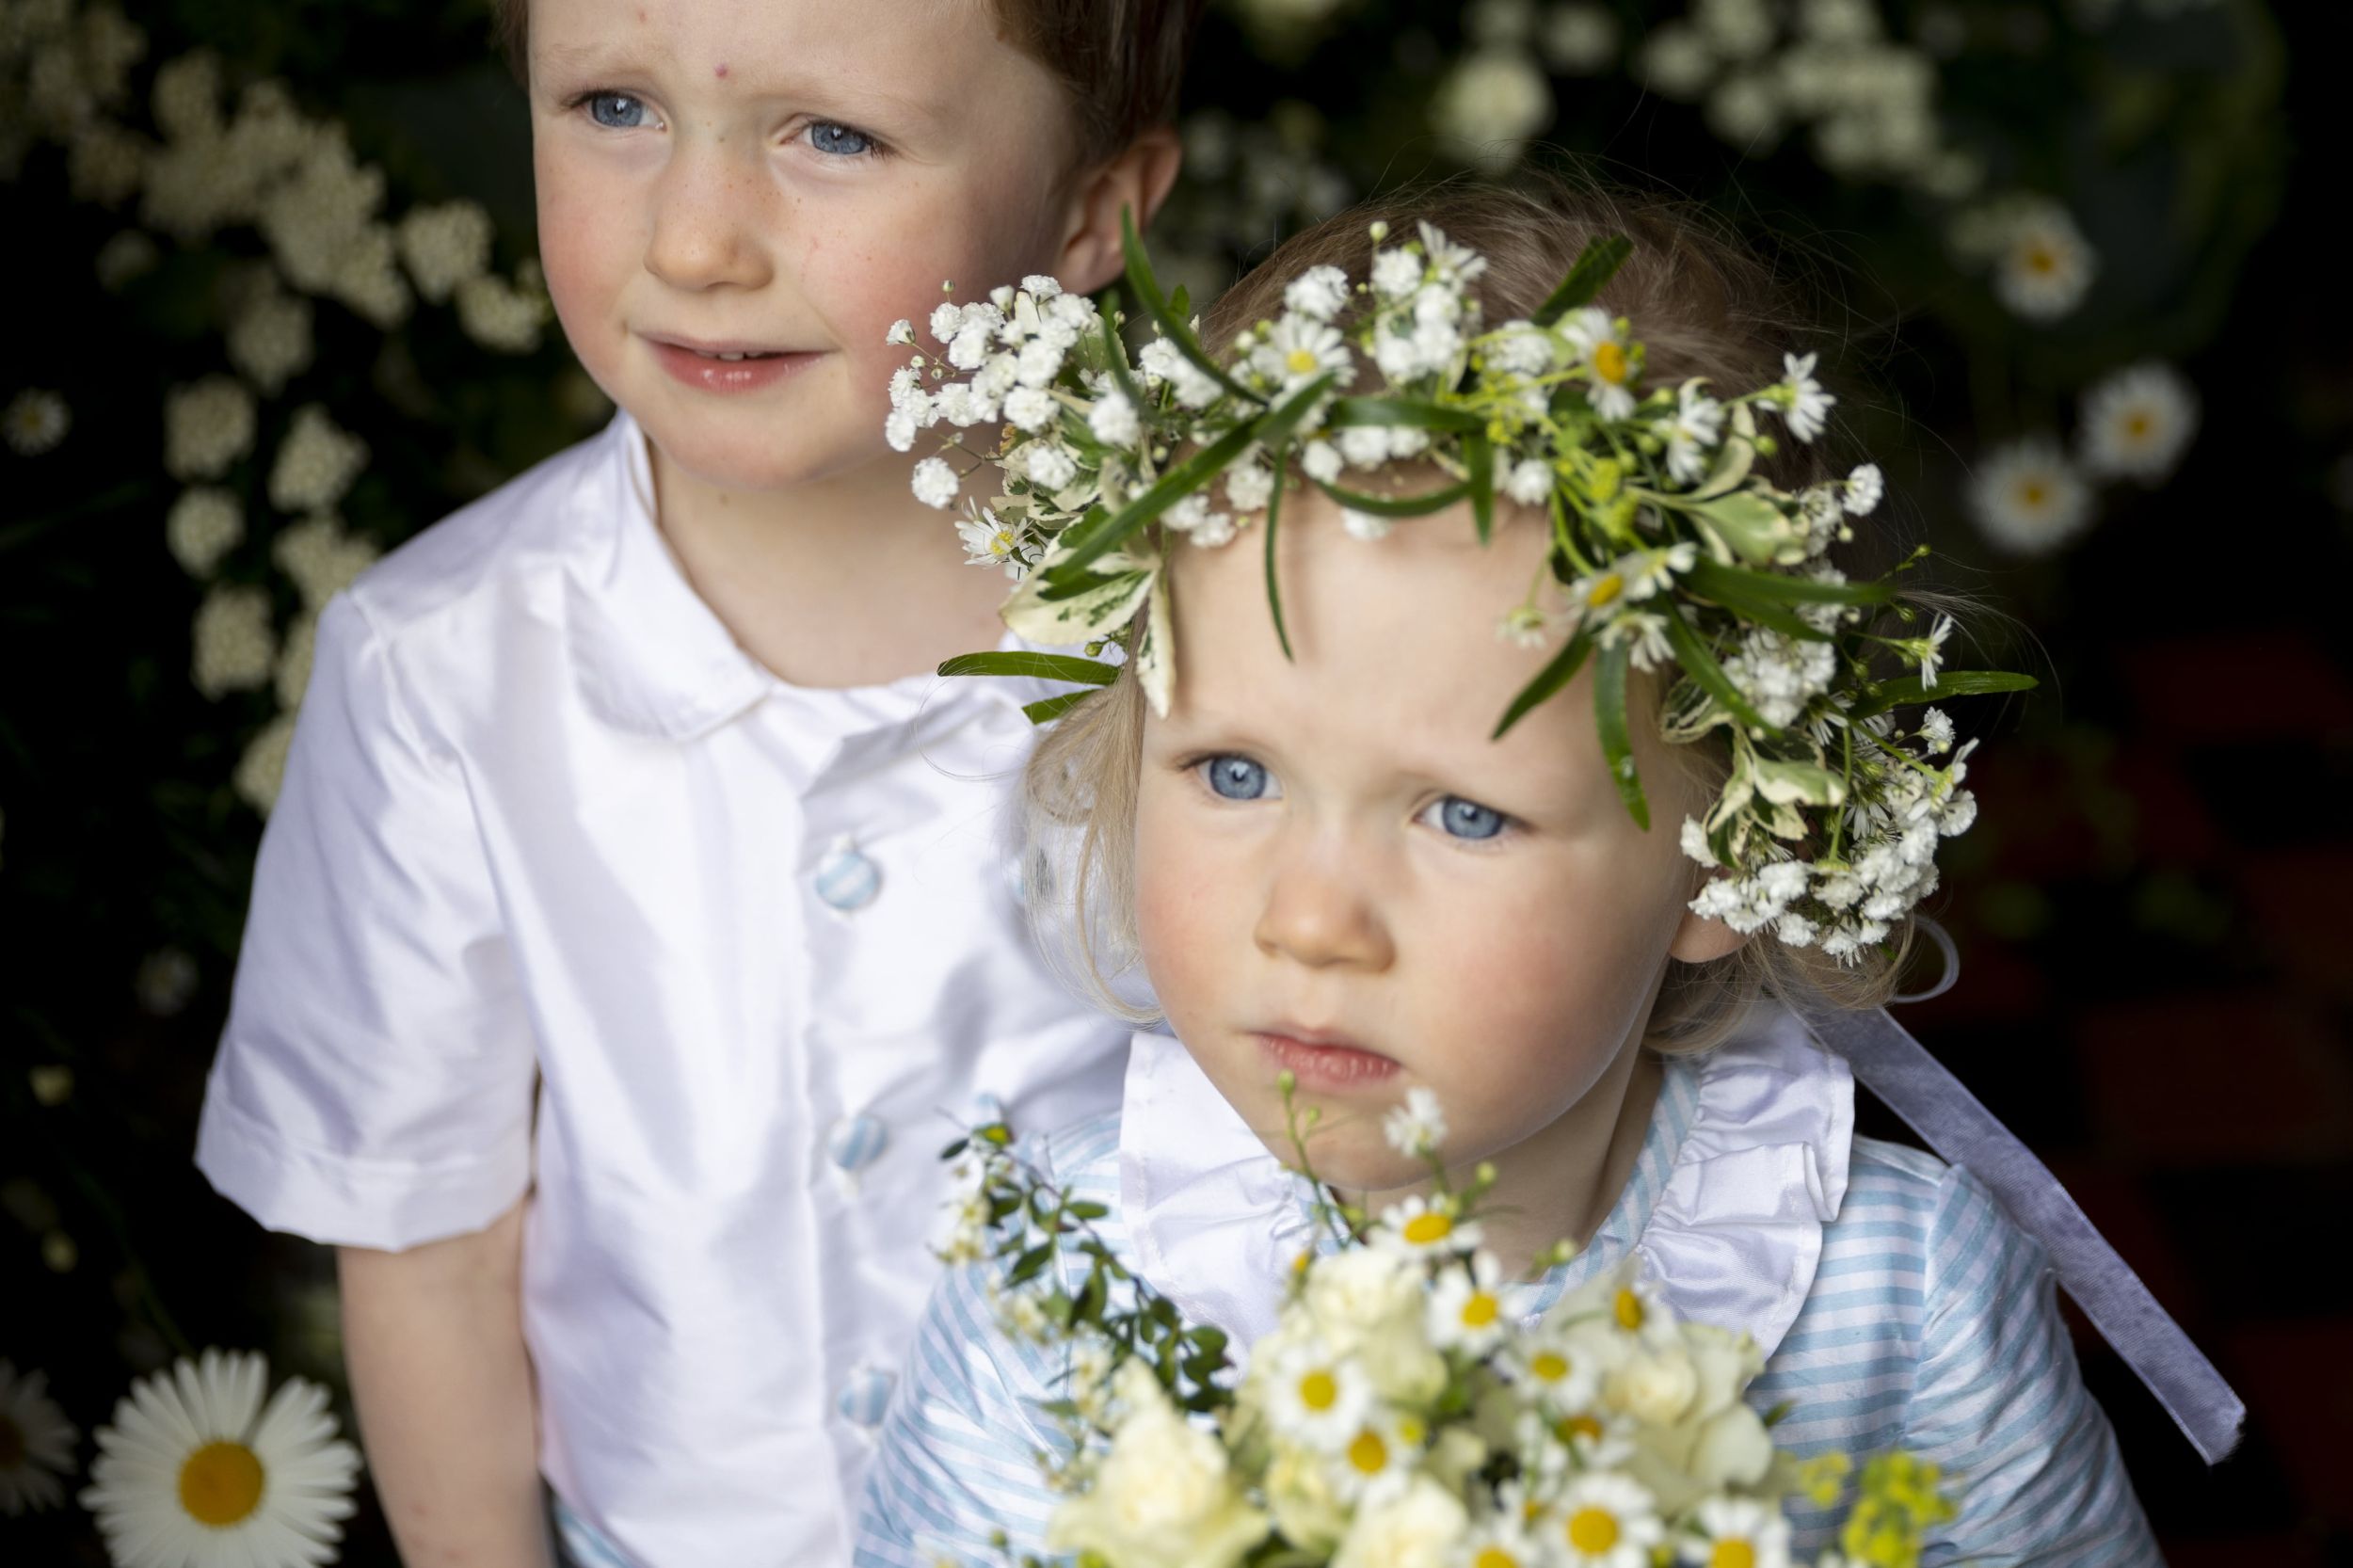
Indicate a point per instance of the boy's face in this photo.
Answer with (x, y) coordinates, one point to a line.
(787, 178)
(1337, 871)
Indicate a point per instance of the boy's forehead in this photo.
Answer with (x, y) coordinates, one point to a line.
(913, 41)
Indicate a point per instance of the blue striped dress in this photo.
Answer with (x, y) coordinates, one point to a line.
(1929, 1323)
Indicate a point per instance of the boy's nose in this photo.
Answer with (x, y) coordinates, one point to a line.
(1319, 913)
(711, 212)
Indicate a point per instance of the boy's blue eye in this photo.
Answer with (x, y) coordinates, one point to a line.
(828, 136)
(1467, 819)
(616, 111)
(1237, 777)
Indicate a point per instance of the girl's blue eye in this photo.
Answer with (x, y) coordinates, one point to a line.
(616, 111)
(1467, 819)
(1237, 777)
(828, 136)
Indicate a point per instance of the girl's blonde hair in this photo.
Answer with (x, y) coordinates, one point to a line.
(1703, 306)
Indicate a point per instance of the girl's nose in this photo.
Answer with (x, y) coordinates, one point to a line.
(1320, 914)
(710, 212)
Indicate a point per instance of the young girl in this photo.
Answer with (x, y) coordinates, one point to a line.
(1329, 866)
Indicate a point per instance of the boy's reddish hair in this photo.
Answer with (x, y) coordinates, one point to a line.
(1121, 62)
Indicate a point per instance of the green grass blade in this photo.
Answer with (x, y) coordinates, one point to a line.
(1549, 682)
(1904, 693)
(1037, 666)
(1397, 506)
(1479, 457)
(1617, 745)
(1702, 666)
(1413, 412)
(1596, 266)
(1274, 587)
(1047, 709)
(1148, 292)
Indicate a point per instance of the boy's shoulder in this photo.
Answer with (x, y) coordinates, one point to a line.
(528, 530)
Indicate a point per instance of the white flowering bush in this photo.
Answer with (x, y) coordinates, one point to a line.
(1401, 1412)
(1672, 551)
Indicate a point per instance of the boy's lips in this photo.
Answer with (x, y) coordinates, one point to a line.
(1321, 1059)
(726, 366)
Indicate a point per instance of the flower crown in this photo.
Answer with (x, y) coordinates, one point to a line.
(1668, 548)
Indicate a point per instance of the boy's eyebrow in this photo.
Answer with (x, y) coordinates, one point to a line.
(602, 55)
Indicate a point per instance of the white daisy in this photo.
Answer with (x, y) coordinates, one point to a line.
(1318, 1399)
(1417, 1126)
(2044, 267)
(1738, 1530)
(2136, 424)
(1448, 262)
(1801, 399)
(1522, 626)
(1606, 1521)
(35, 422)
(2028, 499)
(1610, 367)
(990, 541)
(196, 1471)
(1696, 424)
(1299, 348)
(1420, 1228)
(1466, 1306)
(36, 1443)
(1561, 1374)
(1380, 1457)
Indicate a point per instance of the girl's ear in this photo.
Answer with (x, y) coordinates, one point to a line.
(1137, 179)
(1699, 939)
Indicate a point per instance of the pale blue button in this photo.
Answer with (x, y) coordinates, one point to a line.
(847, 879)
(866, 1396)
(856, 1142)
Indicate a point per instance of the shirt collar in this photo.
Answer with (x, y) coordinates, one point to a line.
(1743, 1163)
(653, 659)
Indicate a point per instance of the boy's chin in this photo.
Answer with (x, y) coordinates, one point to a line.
(757, 463)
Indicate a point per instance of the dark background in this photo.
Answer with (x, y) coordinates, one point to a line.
(2153, 995)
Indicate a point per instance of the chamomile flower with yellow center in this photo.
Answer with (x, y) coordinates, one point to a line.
(2044, 268)
(1318, 1399)
(35, 422)
(1560, 1375)
(1417, 1126)
(2028, 499)
(2136, 424)
(1466, 1308)
(1379, 1456)
(197, 1470)
(1501, 1543)
(36, 1443)
(1419, 1227)
(1611, 365)
(991, 541)
(1694, 427)
(1737, 1532)
(1605, 1521)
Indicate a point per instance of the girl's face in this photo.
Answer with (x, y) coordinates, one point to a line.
(1340, 874)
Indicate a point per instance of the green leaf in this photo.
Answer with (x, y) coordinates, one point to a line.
(1398, 506)
(1101, 607)
(1596, 266)
(1904, 693)
(1115, 356)
(1031, 1264)
(1479, 457)
(1702, 666)
(955, 1148)
(1554, 676)
(1751, 526)
(1724, 584)
(1040, 667)
(1789, 783)
(1046, 709)
(1617, 746)
(1172, 323)
(1413, 412)
(1085, 1209)
(1274, 588)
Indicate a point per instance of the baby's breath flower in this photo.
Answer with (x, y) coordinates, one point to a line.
(1936, 732)
(1694, 427)
(901, 332)
(2135, 423)
(935, 483)
(316, 462)
(1396, 274)
(234, 645)
(1320, 293)
(204, 526)
(35, 422)
(2028, 499)
(270, 338)
(1801, 400)
(207, 425)
(1863, 489)
(1367, 526)
(1112, 419)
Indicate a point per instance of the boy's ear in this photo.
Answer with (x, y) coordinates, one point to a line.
(1699, 939)
(1138, 178)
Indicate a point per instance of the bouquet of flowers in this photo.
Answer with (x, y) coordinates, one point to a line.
(1401, 1414)
(1670, 548)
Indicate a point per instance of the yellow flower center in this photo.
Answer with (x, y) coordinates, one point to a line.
(13, 1448)
(1369, 1453)
(1592, 1529)
(1630, 1312)
(1300, 362)
(1424, 1229)
(1479, 1310)
(1606, 589)
(1609, 363)
(1732, 1554)
(2136, 426)
(1551, 1366)
(2041, 259)
(1495, 1557)
(2032, 494)
(1318, 1390)
(1573, 1427)
(221, 1483)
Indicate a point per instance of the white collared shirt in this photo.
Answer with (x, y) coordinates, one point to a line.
(565, 892)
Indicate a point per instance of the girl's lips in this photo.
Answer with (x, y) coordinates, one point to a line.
(709, 373)
(1326, 1064)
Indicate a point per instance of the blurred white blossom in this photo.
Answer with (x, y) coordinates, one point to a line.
(234, 647)
(316, 462)
(208, 424)
(444, 246)
(1493, 99)
(269, 339)
(261, 771)
(321, 559)
(35, 422)
(2028, 499)
(204, 526)
(2136, 424)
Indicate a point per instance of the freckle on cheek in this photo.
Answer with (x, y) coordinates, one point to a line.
(719, 69)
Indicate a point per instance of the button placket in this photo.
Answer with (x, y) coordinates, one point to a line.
(847, 878)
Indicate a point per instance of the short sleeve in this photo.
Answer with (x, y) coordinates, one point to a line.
(958, 1457)
(1998, 1404)
(374, 1084)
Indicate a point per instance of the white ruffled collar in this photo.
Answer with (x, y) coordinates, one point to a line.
(1744, 1162)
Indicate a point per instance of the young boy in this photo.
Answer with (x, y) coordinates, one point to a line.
(636, 916)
